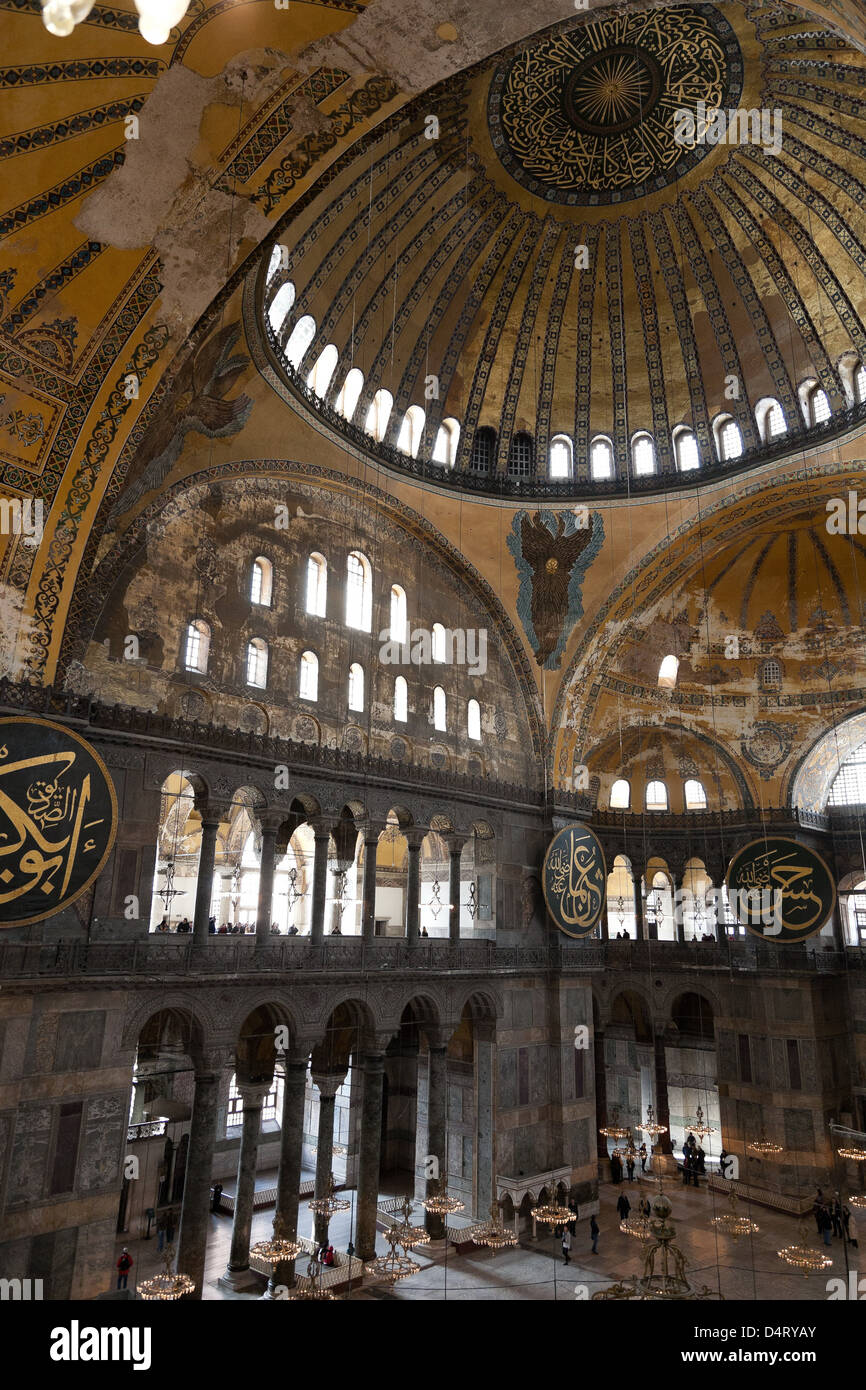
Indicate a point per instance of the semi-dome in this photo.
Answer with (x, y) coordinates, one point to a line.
(565, 265)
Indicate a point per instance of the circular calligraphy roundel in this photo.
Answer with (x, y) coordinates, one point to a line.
(574, 879)
(58, 818)
(780, 890)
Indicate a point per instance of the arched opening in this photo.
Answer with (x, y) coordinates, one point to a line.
(257, 663)
(411, 431)
(483, 450)
(359, 591)
(601, 458)
(301, 337)
(561, 462)
(317, 585)
(261, 582)
(643, 455)
(320, 376)
(350, 393)
(686, 449)
(379, 414)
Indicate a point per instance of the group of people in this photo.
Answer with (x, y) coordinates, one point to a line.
(325, 1255)
(694, 1161)
(184, 925)
(834, 1218)
(631, 1158)
(623, 1207)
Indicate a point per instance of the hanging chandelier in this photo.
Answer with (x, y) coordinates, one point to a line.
(292, 894)
(698, 1127)
(615, 1130)
(277, 1248)
(859, 1202)
(803, 1256)
(168, 891)
(330, 1203)
(732, 1224)
(626, 1149)
(393, 1266)
(638, 1226)
(764, 1147)
(439, 1203)
(472, 901)
(168, 1286)
(650, 1127)
(493, 1233)
(156, 18)
(314, 1293)
(435, 897)
(852, 1154)
(664, 1271)
(552, 1214)
(410, 1236)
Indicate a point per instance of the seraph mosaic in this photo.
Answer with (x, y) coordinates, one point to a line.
(552, 552)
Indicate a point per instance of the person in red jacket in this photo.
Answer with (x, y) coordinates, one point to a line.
(124, 1265)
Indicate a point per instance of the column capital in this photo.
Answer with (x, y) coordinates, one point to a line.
(437, 1038)
(212, 812)
(373, 1057)
(371, 830)
(321, 826)
(253, 1093)
(455, 841)
(328, 1083)
(414, 836)
(269, 821)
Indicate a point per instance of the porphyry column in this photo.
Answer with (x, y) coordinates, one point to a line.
(237, 1275)
(195, 1214)
(371, 1149)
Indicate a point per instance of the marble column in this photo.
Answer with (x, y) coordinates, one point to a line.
(368, 907)
(195, 1213)
(455, 849)
(437, 1089)
(328, 1084)
(662, 1106)
(600, 1098)
(237, 1275)
(320, 883)
(485, 1178)
(640, 926)
(413, 888)
(371, 1148)
(204, 883)
(291, 1146)
(266, 886)
(679, 916)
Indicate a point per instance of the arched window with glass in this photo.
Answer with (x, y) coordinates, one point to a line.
(694, 795)
(379, 414)
(350, 393)
(356, 687)
(317, 585)
(770, 419)
(729, 440)
(411, 431)
(320, 377)
(401, 700)
(438, 643)
(473, 720)
(770, 674)
(399, 614)
(308, 685)
(620, 795)
(656, 796)
(257, 662)
(359, 592)
(281, 305)
(301, 337)
(440, 721)
(668, 671)
(561, 459)
(483, 450)
(447, 441)
(521, 453)
(600, 458)
(643, 455)
(261, 582)
(860, 383)
(686, 450)
(197, 645)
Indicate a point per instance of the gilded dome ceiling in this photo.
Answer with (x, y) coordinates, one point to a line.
(557, 245)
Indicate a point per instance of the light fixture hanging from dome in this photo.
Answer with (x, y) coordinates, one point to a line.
(615, 1130)
(314, 1293)
(803, 1256)
(764, 1147)
(698, 1127)
(552, 1214)
(393, 1266)
(277, 1248)
(650, 1127)
(167, 1287)
(410, 1236)
(732, 1224)
(438, 1203)
(853, 1155)
(329, 1204)
(156, 18)
(493, 1233)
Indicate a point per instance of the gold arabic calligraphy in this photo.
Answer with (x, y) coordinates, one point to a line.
(801, 906)
(40, 848)
(576, 882)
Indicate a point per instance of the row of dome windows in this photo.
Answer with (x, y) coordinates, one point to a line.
(769, 673)
(769, 416)
(656, 796)
(197, 650)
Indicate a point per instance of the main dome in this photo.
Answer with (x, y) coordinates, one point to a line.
(531, 279)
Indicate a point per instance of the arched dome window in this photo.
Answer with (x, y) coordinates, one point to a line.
(302, 335)
(438, 643)
(281, 305)
(447, 440)
(729, 440)
(561, 457)
(668, 673)
(274, 263)
(694, 796)
(261, 582)
(379, 414)
(814, 402)
(770, 419)
(257, 663)
(308, 685)
(643, 455)
(520, 455)
(620, 795)
(439, 710)
(320, 377)
(849, 785)
(411, 431)
(601, 458)
(860, 383)
(770, 674)
(656, 796)
(356, 686)
(483, 450)
(686, 449)
(401, 700)
(359, 592)
(197, 645)
(317, 585)
(473, 719)
(399, 614)
(350, 393)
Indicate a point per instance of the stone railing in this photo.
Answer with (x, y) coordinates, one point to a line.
(154, 956)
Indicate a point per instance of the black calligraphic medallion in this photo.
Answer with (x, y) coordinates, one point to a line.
(58, 818)
(780, 890)
(574, 879)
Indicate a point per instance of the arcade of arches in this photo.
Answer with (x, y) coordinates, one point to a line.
(410, 458)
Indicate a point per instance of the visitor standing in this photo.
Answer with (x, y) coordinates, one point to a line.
(124, 1265)
(566, 1245)
(594, 1232)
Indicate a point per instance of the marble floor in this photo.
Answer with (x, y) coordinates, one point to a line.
(745, 1270)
